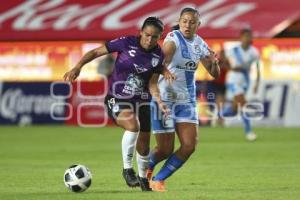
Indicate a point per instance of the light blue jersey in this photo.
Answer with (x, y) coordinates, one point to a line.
(180, 95)
(184, 64)
(237, 82)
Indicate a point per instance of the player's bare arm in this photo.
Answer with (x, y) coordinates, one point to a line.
(154, 90)
(211, 64)
(257, 78)
(169, 49)
(88, 57)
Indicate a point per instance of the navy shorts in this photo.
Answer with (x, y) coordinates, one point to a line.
(179, 112)
(142, 109)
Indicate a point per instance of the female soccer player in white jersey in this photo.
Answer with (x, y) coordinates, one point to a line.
(183, 50)
(241, 58)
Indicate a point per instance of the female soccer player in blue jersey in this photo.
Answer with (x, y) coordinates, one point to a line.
(183, 50)
(137, 68)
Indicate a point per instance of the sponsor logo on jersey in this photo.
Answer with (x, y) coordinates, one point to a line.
(189, 66)
(134, 85)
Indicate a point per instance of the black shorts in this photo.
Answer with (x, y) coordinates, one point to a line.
(219, 89)
(114, 106)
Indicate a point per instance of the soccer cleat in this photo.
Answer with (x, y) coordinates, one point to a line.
(149, 173)
(158, 186)
(251, 137)
(130, 177)
(144, 184)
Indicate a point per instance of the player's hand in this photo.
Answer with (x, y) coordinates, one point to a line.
(211, 64)
(168, 76)
(164, 108)
(211, 57)
(72, 74)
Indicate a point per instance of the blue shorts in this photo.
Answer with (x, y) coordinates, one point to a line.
(180, 112)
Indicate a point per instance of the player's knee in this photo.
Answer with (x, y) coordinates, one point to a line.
(143, 150)
(189, 148)
(132, 126)
(165, 152)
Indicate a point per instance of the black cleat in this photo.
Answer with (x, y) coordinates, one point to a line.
(144, 184)
(130, 177)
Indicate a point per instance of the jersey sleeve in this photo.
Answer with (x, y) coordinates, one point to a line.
(116, 45)
(159, 68)
(171, 37)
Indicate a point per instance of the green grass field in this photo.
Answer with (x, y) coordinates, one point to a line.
(225, 166)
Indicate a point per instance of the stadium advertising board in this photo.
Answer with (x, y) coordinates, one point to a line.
(43, 61)
(48, 61)
(31, 103)
(79, 103)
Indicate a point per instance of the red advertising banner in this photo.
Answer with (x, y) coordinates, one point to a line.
(106, 19)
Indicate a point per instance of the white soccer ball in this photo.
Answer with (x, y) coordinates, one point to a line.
(77, 178)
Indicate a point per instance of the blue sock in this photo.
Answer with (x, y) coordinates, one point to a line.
(247, 124)
(170, 166)
(227, 110)
(152, 161)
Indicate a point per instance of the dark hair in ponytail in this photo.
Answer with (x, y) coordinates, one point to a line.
(176, 27)
(153, 21)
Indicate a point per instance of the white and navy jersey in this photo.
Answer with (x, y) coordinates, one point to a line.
(237, 82)
(239, 57)
(184, 64)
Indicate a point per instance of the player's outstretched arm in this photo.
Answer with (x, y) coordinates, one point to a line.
(89, 56)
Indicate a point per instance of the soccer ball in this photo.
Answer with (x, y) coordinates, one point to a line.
(77, 178)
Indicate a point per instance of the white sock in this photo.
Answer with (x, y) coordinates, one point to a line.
(128, 148)
(142, 163)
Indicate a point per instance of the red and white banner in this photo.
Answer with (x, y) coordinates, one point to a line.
(107, 19)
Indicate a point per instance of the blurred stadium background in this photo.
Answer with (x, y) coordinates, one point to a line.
(42, 39)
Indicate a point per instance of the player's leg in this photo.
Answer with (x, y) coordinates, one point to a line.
(127, 120)
(143, 145)
(163, 129)
(187, 134)
(228, 109)
(187, 131)
(239, 102)
(220, 101)
(123, 115)
(163, 149)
